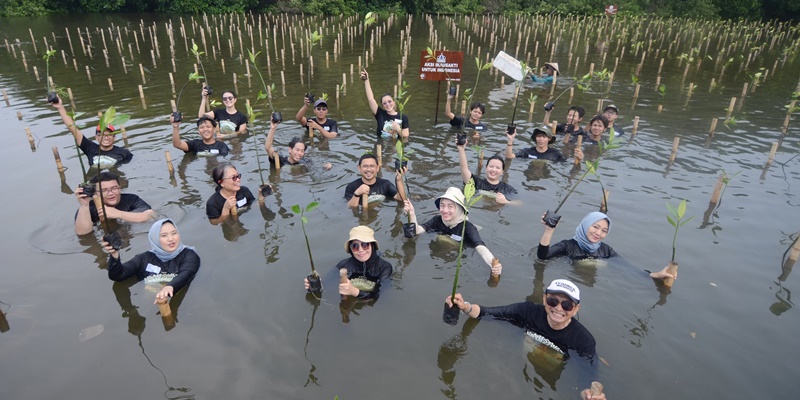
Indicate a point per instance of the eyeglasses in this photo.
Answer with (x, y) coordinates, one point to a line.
(111, 190)
(566, 305)
(364, 246)
(228, 98)
(234, 177)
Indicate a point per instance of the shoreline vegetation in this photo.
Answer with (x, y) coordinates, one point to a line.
(783, 10)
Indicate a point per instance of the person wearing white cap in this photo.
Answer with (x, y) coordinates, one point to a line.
(452, 214)
(611, 112)
(320, 122)
(365, 267)
(550, 69)
(551, 324)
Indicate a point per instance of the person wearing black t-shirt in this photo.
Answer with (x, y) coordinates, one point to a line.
(452, 221)
(104, 154)
(377, 189)
(542, 151)
(319, 122)
(230, 197)
(231, 122)
(611, 112)
(490, 186)
(389, 121)
(297, 150)
(572, 127)
(476, 111)
(206, 145)
(124, 206)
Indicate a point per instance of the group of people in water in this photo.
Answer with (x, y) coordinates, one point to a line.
(174, 264)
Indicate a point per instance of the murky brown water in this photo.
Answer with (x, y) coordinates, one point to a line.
(245, 329)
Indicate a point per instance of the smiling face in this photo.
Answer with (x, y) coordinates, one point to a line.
(494, 169)
(449, 210)
(206, 130)
(231, 180)
(542, 141)
(388, 103)
(476, 114)
(597, 128)
(321, 112)
(360, 253)
(106, 140)
(368, 169)
(229, 99)
(111, 192)
(598, 231)
(297, 152)
(557, 318)
(168, 238)
(573, 118)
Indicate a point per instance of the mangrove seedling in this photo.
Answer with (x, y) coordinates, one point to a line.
(450, 315)
(52, 92)
(400, 163)
(369, 19)
(177, 116)
(551, 218)
(675, 218)
(265, 189)
(197, 54)
(313, 38)
(512, 126)
(110, 117)
(315, 285)
(265, 93)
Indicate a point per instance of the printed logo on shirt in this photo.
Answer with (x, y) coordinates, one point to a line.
(539, 339)
(155, 269)
(487, 193)
(208, 153)
(104, 161)
(226, 127)
(159, 278)
(375, 197)
(241, 203)
(455, 237)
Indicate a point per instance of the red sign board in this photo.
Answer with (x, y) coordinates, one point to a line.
(445, 66)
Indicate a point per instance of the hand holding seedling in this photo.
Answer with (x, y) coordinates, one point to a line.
(174, 123)
(362, 190)
(364, 75)
(663, 274)
(110, 250)
(83, 199)
(165, 293)
(578, 153)
(204, 92)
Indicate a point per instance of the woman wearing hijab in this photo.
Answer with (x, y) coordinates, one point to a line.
(366, 270)
(168, 260)
(586, 244)
(452, 216)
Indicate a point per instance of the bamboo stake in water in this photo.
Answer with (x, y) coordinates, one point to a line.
(30, 139)
(730, 108)
(674, 148)
(713, 126)
(717, 193)
(59, 165)
(604, 201)
(5, 97)
(577, 146)
(169, 162)
(772, 153)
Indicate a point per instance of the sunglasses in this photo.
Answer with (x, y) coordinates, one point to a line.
(228, 97)
(364, 246)
(234, 177)
(566, 305)
(322, 108)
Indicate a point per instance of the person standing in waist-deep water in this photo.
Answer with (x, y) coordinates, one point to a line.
(491, 186)
(296, 151)
(366, 270)
(550, 70)
(169, 259)
(586, 244)
(377, 189)
(542, 138)
(118, 205)
(476, 111)
(231, 122)
(452, 216)
(573, 125)
(611, 112)
(387, 116)
(207, 145)
(320, 122)
(229, 194)
(104, 153)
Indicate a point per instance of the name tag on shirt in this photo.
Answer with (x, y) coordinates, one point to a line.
(241, 203)
(532, 156)
(455, 237)
(327, 128)
(153, 268)
(214, 151)
(478, 127)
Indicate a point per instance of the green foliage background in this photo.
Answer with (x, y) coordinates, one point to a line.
(708, 9)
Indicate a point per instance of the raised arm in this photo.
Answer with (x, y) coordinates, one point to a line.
(301, 114)
(462, 162)
(176, 135)
(546, 119)
(202, 110)
(270, 137)
(373, 105)
(401, 188)
(510, 145)
(408, 208)
(68, 121)
(447, 110)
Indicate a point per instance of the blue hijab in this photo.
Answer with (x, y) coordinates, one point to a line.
(155, 244)
(580, 231)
